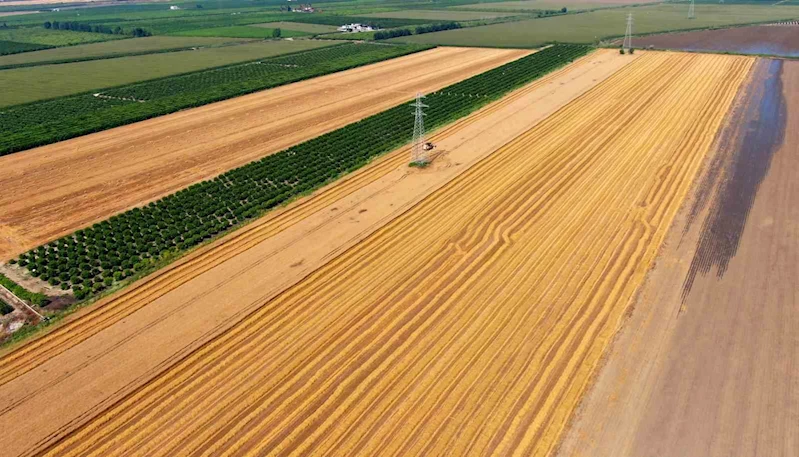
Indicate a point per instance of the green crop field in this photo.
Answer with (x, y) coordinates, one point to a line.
(240, 31)
(298, 26)
(533, 5)
(40, 35)
(440, 15)
(92, 259)
(108, 49)
(593, 26)
(48, 121)
(13, 47)
(51, 81)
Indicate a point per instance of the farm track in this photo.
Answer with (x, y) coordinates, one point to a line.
(56, 189)
(473, 322)
(111, 310)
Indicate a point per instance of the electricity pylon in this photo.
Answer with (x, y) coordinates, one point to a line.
(628, 35)
(418, 152)
(691, 14)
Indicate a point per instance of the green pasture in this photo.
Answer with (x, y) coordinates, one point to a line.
(593, 26)
(40, 35)
(298, 27)
(440, 15)
(111, 48)
(240, 31)
(533, 5)
(50, 81)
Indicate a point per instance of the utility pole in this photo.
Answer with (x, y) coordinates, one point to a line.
(418, 152)
(691, 14)
(628, 35)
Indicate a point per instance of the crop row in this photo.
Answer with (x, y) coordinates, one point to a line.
(48, 121)
(94, 258)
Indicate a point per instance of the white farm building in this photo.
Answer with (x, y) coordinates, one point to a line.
(355, 28)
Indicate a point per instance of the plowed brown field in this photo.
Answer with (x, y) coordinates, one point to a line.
(471, 324)
(53, 190)
(758, 39)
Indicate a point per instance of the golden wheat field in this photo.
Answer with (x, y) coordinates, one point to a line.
(472, 323)
(119, 306)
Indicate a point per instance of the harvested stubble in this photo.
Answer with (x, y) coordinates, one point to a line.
(470, 324)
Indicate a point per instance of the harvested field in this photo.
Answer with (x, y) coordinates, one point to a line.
(42, 2)
(411, 342)
(15, 13)
(61, 187)
(770, 40)
(177, 309)
(709, 368)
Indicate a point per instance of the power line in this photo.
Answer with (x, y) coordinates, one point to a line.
(628, 35)
(418, 152)
(691, 14)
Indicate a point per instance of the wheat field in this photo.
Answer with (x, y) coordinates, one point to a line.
(469, 325)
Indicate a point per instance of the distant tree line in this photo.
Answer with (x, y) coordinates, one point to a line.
(437, 27)
(546, 13)
(96, 28)
(386, 34)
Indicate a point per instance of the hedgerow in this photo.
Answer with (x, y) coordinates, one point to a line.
(93, 258)
(23, 293)
(437, 27)
(38, 123)
(385, 35)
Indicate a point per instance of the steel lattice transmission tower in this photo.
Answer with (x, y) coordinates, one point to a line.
(691, 14)
(628, 35)
(418, 152)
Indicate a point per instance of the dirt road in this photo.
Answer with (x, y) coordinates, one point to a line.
(176, 310)
(472, 322)
(53, 190)
(710, 368)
